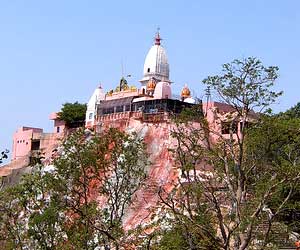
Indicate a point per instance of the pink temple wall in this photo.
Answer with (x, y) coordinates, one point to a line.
(59, 125)
(22, 140)
(24, 137)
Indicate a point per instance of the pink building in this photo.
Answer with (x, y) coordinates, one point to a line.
(25, 139)
(28, 139)
(59, 125)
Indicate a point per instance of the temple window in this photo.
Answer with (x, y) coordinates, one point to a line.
(127, 108)
(35, 145)
(119, 109)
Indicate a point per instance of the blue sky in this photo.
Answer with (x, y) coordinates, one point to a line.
(57, 51)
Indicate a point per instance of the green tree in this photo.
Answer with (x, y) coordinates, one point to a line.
(12, 226)
(110, 167)
(229, 184)
(73, 113)
(291, 215)
(30, 218)
(293, 112)
(3, 155)
(78, 202)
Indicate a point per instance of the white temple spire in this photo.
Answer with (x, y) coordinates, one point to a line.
(156, 63)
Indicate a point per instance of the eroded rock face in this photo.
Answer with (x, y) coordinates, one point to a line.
(161, 173)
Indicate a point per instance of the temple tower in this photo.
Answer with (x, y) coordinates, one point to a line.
(156, 63)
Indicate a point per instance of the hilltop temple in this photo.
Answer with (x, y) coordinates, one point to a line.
(146, 110)
(152, 101)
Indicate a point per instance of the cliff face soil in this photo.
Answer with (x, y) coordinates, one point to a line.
(161, 172)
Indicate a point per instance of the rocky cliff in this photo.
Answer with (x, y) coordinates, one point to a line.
(161, 172)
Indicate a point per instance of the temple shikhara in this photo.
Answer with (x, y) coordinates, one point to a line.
(151, 102)
(146, 109)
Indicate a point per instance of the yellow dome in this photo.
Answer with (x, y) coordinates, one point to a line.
(151, 84)
(185, 92)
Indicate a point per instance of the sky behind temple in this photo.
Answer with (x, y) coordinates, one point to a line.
(57, 51)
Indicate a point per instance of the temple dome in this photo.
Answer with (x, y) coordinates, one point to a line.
(162, 90)
(185, 92)
(156, 63)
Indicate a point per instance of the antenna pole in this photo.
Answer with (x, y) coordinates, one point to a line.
(208, 95)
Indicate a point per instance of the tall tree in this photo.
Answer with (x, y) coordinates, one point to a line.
(105, 169)
(225, 194)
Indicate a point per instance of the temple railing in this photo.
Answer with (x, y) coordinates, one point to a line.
(155, 117)
(138, 115)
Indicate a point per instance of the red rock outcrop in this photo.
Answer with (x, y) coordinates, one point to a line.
(161, 173)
